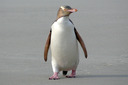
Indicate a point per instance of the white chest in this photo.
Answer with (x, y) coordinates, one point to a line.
(64, 46)
(63, 31)
(63, 38)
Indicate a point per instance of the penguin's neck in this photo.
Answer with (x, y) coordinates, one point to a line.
(63, 19)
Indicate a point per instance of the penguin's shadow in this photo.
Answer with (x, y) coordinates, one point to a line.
(102, 76)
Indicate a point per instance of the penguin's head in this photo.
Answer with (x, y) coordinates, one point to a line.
(65, 11)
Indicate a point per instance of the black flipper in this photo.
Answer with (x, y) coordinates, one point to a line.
(65, 72)
(47, 46)
(81, 42)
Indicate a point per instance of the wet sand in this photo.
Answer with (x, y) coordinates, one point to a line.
(24, 27)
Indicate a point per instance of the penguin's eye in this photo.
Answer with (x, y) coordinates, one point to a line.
(64, 9)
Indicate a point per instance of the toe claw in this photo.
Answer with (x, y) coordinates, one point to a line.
(70, 76)
(54, 78)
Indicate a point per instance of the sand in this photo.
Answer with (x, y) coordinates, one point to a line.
(24, 27)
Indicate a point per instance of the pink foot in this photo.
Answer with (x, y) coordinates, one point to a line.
(73, 74)
(54, 76)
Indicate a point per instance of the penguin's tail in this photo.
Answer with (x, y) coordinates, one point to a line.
(65, 72)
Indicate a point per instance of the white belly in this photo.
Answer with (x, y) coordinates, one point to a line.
(64, 46)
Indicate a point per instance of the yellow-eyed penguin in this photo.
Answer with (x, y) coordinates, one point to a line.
(63, 38)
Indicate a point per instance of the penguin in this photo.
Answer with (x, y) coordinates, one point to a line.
(63, 39)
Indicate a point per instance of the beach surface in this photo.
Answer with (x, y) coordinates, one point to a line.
(24, 27)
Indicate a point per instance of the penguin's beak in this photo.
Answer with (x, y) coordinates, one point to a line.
(72, 10)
